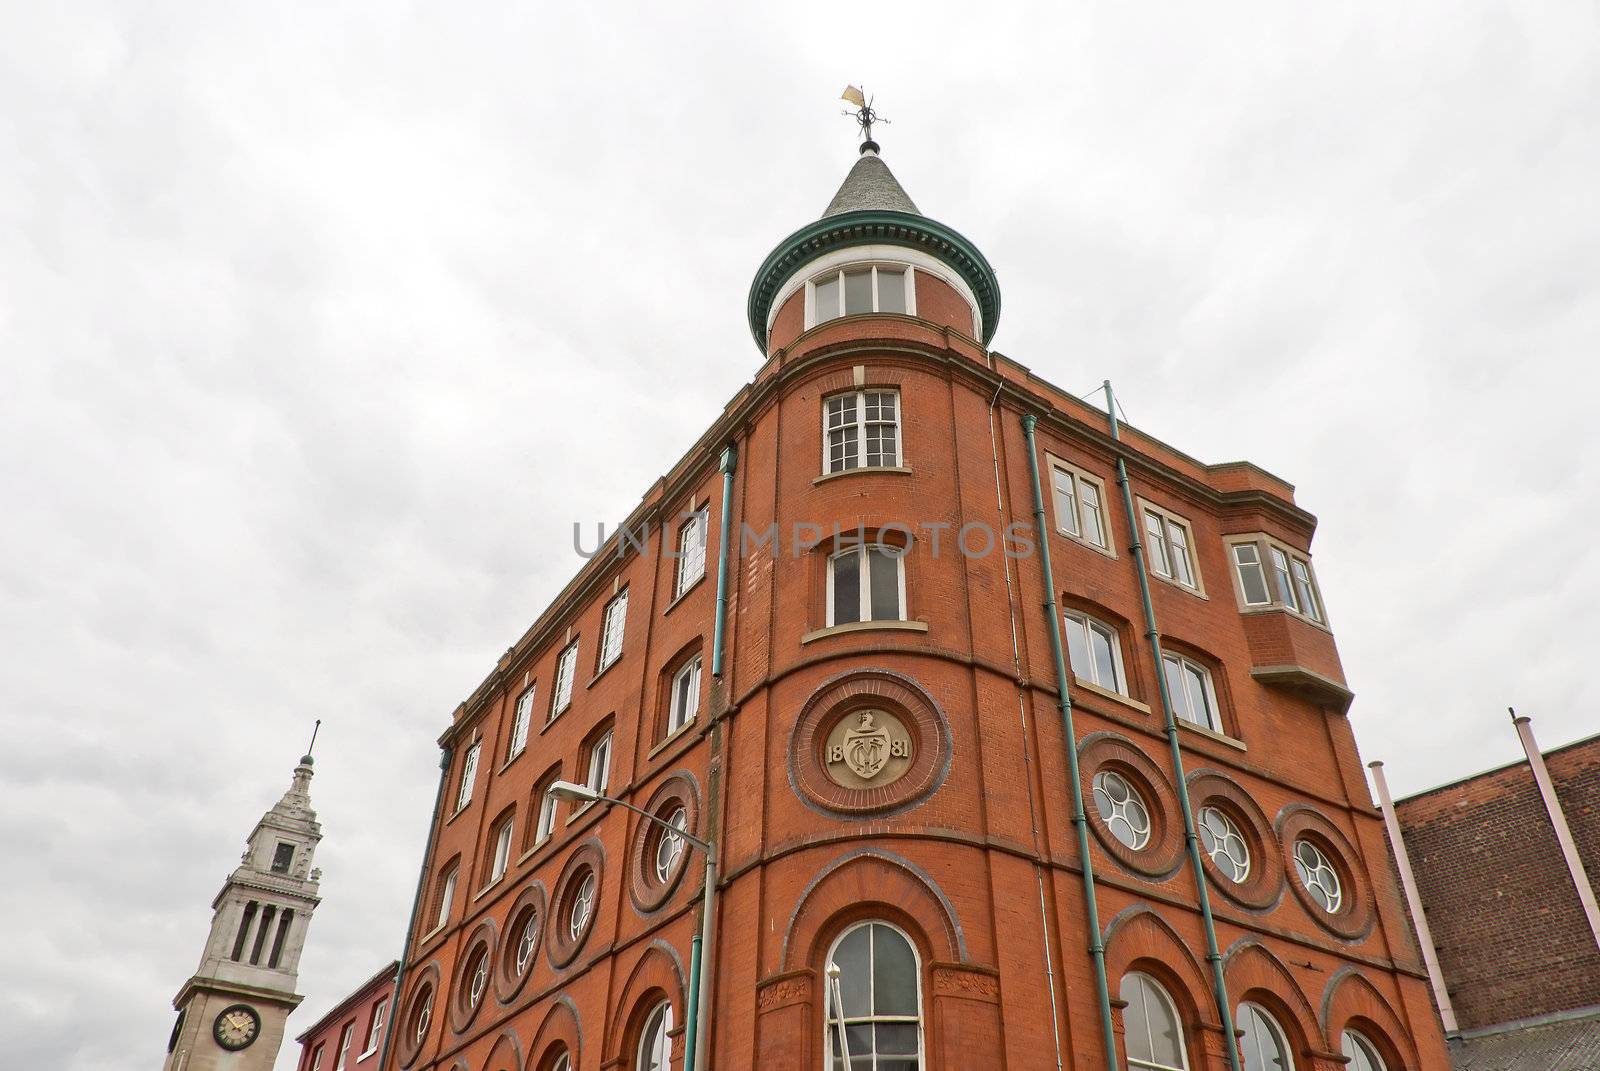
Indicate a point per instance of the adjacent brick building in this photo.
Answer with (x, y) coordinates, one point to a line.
(1519, 959)
(350, 1034)
(872, 736)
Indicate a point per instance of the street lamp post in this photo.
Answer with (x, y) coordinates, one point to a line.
(697, 1028)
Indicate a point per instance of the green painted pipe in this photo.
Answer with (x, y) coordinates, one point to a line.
(692, 1019)
(1213, 956)
(1097, 948)
(730, 459)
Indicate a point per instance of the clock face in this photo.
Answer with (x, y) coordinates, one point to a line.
(237, 1026)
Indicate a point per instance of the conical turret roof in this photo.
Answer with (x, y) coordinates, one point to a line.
(870, 186)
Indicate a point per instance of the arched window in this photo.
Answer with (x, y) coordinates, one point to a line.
(1361, 1053)
(655, 1044)
(562, 1062)
(1154, 1034)
(874, 1001)
(1262, 1042)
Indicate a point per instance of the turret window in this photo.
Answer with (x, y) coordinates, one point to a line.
(856, 290)
(866, 584)
(862, 430)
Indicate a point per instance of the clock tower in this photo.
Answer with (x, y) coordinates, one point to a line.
(231, 1012)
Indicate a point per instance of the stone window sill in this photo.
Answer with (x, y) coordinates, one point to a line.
(1211, 734)
(900, 470)
(684, 594)
(1106, 693)
(864, 626)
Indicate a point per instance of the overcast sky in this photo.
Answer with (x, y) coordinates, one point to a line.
(318, 329)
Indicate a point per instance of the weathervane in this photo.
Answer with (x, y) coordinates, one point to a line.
(863, 114)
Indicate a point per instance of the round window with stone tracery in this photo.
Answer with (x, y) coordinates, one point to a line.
(1225, 844)
(1318, 875)
(1122, 809)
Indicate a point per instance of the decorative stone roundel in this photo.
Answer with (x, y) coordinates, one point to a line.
(657, 861)
(1214, 795)
(868, 741)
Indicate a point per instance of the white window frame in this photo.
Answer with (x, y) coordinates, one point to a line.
(691, 551)
(469, 775)
(859, 455)
(839, 273)
(656, 1040)
(1076, 510)
(1089, 623)
(1366, 1051)
(1301, 578)
(345, 1037)
(316, 1057)
(521, 721)
(1185, 663)
(684, 702)
(375, 1025)
(613, 630)
(832, 1015)
(1273, 1028)
(566, 670)
(1159, 556)
(502, 849)
(864, 579)
(925, 264)
(1177, 1018)
(547, 816)
(600, 762)
(448, 896)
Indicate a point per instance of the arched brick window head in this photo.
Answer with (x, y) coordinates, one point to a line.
(1361, 1053)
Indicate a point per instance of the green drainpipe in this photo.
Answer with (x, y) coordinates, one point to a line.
(691, 1020)
(730, 459)
(1213, 956)
(1097, 948)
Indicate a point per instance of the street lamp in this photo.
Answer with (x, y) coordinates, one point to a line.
(697, 1029)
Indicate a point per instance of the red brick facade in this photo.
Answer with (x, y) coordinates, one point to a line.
(1512, 939)
(353, 1029)
(971, 851)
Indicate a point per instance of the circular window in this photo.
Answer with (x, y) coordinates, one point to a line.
(574, 905)
(581, 911)
(1317, 867)
(417, 1018)
(1224, 844)
(472, 977)
(1318, 876)
(868, 742)
(659, 855)
(1122, 809)
(671, 846)
(524, 931)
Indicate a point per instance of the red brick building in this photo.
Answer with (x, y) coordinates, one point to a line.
(351, 1034)
(872, 734)
(1518, 956)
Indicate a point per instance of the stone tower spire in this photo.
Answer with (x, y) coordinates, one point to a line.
(231, 1012)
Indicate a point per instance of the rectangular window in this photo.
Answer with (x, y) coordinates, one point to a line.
(282, 857)
(502, 851)
(469, 774)
(1252, 581)
(375, 1031)
(866, 584)
(1169, 551)
(876, 288)
(612, 624)
(547, 817)
(1189, 686)
(600, 763)
(1094, 652)
(1271, 574)
(862, 430)
(344, 1046)
(1078, 501)
(691, 553)
(316, 1059)
(447, 895)
(685, 696)
(519, 723)
(566, 667)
